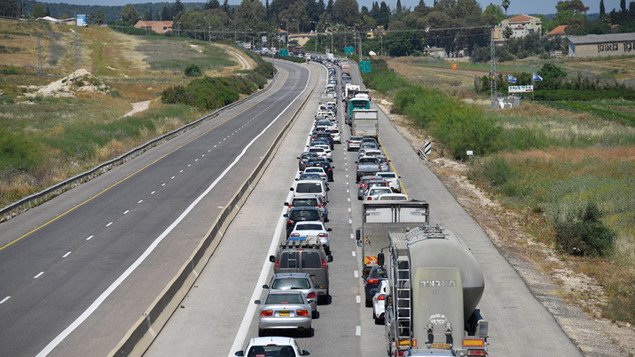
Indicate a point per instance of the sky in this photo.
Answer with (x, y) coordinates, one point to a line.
(516, 6)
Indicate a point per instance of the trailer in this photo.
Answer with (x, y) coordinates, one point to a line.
(365, 122)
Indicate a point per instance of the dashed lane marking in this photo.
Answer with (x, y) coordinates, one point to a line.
(109, 224)
(358, 299)
(126, 211)
(352, 236)
(140, 201)
(89, 237)
(353, 253)
(356, 274)
(38, 275)
(350, 221)
(66, 255)
(163, 184)
(172, 178)
(153, 192)
(5, 299)
(358, 330)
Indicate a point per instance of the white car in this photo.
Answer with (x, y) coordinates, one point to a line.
(269, 346)
(374, 192)
(317, 170)
(369, 152)
(379, 303)
(392, 197)
(311, 231)
(392, 178)
(320, 151)
(335, 134)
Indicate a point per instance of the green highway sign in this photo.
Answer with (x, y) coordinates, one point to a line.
(364, 66)
(283, 52)
(349, 50)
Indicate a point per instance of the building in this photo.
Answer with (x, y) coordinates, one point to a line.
(522, 25)
(614, 44)
(435, 52)
(161, 27)
(559, 31)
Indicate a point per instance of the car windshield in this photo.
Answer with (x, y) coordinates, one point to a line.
(316, 150)
(291, 283)
(305, 202)
(356, 138)
(368, 160)
(305, 215)
(392, 198)
(271, 351)
(308, 227)
(308, 188)
(309, 176)
(284, 299)
(311, 260)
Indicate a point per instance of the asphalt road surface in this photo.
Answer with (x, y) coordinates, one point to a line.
(218, 315)
(79, 270)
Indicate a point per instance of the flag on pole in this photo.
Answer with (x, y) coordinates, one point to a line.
(535, 77)
(511, 79)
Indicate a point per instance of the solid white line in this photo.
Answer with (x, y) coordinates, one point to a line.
(358, 330)
(356, 273)
(140, 201)
(89, 237)
(38, 275)
(109, 224)
(5, 299)
(353, 253)
(102, 297)
(66, 255)
(126, 211)
(358, 299)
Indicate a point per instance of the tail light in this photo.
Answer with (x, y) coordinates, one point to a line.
(311, 295)
(323, 235)
(290, 221)
(360, 185)
(323, 264)
(266, 313)
(381, 297)
(303, 313)
(476, 353)
(370, 198)
(330, 169)
(319, 205)
(372, 281)
(277, 264)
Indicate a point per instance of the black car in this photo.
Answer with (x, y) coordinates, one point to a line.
(371, 286)
(304, 158)
(299, 214)
(323, 163)
(323, 135)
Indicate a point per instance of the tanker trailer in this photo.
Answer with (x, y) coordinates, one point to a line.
(435, 284)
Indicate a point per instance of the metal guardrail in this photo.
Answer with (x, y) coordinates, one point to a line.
(38, 198)
(142, 334)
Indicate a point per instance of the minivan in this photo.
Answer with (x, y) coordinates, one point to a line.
(310, 187)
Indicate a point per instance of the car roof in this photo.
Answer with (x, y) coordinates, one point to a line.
(310, 222)
(278, 340)
(310, 181)
(276, 292)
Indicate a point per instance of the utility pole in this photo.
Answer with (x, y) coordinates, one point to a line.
(77, 50)
(381, 36)
(492, 67)
(360, 46)
(40, 72)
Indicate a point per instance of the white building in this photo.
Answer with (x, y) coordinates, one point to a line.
(522, 25)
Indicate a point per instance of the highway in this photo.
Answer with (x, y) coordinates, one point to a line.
(79, 270)
(218, 315)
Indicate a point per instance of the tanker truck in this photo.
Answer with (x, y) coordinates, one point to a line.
(434, 286)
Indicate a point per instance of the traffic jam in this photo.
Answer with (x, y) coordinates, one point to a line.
(300, 281)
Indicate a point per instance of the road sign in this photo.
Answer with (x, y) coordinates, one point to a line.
(283, 52)
(349, 50)
(364, 66)
(520, 89)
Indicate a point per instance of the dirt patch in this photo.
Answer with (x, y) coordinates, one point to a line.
(138, 108)
(243, 62)
(79, 81)
(574, 299)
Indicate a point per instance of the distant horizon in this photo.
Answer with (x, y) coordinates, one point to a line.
(516, 6)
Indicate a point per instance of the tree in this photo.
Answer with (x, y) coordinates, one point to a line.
(226, 7)
(39, 10)
(493, 14)
(329, 7)
(346, 11)
(383, 18)
(129, 15)
(421, 9)
(213, 4)
(398, 7)
(575, 6)
(403, 43)
(100, 18)
(505, 4)
(602, 9)
(9, 8)
(250, 14)
(623, 6)
(177, 8)
(147, 16)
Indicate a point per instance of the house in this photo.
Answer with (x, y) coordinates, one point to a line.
(613, 44)
(522, 25)
(559, 31)
(435, 52)
(161, 27)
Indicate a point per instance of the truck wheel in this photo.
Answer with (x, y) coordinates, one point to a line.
(369, 303)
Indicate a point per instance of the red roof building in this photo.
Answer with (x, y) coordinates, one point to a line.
(156, 26)
(559, 31)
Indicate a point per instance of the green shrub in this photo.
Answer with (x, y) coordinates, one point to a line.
(584, 234)
(19, 152)
(9, 71)
(382, 78)
(176, 94)
(193, 71)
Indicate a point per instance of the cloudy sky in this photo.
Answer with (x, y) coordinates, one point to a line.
(516, 7)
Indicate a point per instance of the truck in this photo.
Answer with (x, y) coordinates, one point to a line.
(365, 122)
(434, 286)
(359, 101)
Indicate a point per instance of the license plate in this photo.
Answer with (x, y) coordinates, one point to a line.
(284, 313)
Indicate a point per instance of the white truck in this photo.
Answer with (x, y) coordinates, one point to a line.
(434, 286)
(365, 122)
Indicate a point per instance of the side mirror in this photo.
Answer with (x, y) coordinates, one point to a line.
(297, 157)
(257, 302)
(305, 353)
(285, 215)
(272, 258)
(242, 353)
(329, 258)
(328, 189)
(358, 234)
(265, 286)
(291, 189)
(380, 259)
(329, 229)
(286, 204)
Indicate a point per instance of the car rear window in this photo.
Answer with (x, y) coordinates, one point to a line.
(388, 175)
(311, 260)
(367, 160)
(305, 215)
(308, 188)
(284, 299)
(380, 190)
(305, 202)
(308, 227)
(291, 283)
(270, 350)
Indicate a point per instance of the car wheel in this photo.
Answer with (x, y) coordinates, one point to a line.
(261, 333)
(315, 314)
(369, 303)
(374, 316)
(379, 321)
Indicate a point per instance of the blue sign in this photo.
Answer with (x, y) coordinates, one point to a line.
(81, 20)
(364, 66)
(283, 52)
(349, 50)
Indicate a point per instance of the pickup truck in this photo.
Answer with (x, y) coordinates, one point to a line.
(367, 165)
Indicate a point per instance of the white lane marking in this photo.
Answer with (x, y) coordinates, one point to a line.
(202, 155)
(89, 237)
(353, 253)
(163, 184)
(352, 236)
(251, 307)
(195, 159)
(349, 209)
(109, 224)
(348, 191)
(358, 330)
(188, 165)
(38, 275)
(358, 299)
(126, 211)
(215, 145)
(348, 199)
(140, 201)
(224, 139)
(350, 221)
(104, 295)
(180, 171)
(5, 299)
(220, 142)
(356, 274)
(172, 178)
(153, 192)
(66, 255)
(210, 150)
(346, 175)
(346, 169)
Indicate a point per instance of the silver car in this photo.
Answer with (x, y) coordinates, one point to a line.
(298, 282)
(284, 310)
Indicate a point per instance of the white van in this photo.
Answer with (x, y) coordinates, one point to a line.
(304, 188)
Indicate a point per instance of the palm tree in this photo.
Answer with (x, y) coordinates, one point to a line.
(505, 5)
